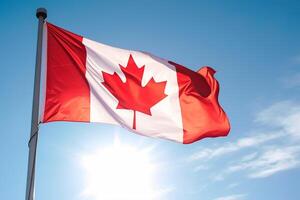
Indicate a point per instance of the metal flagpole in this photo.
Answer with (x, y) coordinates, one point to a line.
(41, 14)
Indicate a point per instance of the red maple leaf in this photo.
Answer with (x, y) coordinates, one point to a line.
(131, 94)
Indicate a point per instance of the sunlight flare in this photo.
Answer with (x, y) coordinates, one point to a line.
(119, 172)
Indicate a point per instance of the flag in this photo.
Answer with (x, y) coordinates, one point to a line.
(86, 81)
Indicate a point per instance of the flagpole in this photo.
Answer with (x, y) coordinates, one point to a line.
(41, 14)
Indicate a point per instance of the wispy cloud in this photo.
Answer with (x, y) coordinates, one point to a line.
(270, 162)
(284, 116)
(232, 197)
(209, 153)
(201, 167)
(232, 185)
(249, 157)
(276, 149)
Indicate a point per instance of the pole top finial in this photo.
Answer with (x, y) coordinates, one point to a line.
(41, 12)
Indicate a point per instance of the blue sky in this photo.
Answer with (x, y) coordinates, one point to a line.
(253, 45)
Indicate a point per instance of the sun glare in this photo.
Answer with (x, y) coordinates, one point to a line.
(119, 172)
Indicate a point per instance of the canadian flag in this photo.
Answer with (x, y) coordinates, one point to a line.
(86, 81)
